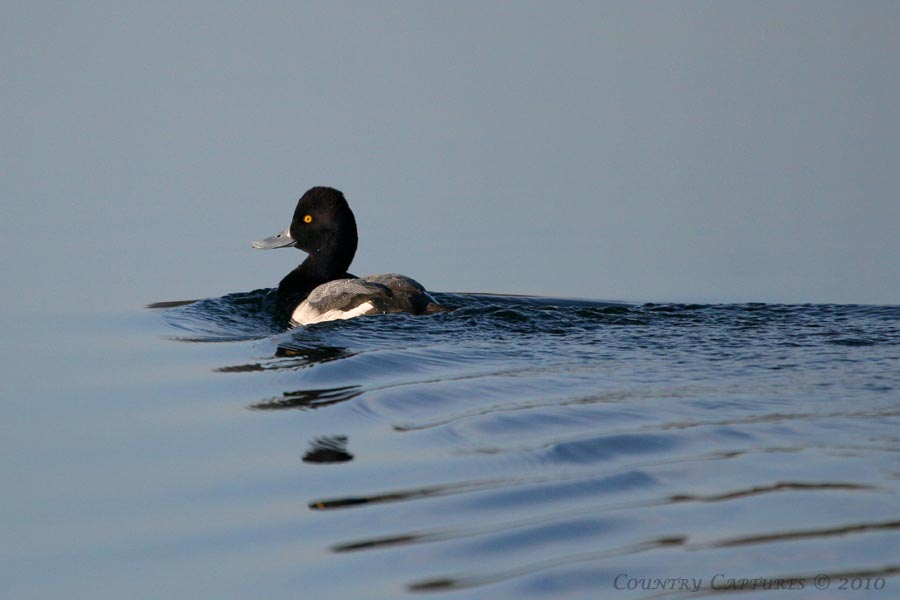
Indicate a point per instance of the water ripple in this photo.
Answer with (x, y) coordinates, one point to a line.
(518, 445)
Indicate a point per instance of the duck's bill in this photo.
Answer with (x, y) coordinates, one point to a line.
(279, 240)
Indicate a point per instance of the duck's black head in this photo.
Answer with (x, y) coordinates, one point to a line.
(324, 227)
(323, 222)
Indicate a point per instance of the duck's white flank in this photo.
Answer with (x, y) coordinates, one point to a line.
(306, 314)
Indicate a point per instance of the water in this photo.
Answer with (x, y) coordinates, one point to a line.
(515, 447)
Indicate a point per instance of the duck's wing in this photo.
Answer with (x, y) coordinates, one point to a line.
(341, 299)
(408, 295)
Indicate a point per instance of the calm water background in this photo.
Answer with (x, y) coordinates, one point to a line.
(514, 447)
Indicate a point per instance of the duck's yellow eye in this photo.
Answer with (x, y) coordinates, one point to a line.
(307, 219)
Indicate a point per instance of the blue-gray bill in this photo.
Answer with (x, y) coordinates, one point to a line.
(282, 239)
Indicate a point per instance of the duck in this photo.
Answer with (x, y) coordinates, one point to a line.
(321, 288)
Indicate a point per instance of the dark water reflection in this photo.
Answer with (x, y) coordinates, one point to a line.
(308, 399)
(535, 447)
(328, 449)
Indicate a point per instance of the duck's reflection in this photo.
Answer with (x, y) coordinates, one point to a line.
(291, 358)
(328, 449)
(309, 399)
(314, 355)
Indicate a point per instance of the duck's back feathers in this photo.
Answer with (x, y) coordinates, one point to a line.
(374, 294)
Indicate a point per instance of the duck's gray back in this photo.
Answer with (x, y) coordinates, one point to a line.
(407, 294)
(347, 298)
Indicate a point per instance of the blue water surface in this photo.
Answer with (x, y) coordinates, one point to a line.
(514, 447)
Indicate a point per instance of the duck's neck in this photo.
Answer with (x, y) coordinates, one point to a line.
(326, 263)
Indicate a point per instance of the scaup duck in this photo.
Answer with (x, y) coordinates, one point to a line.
(321, 289)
